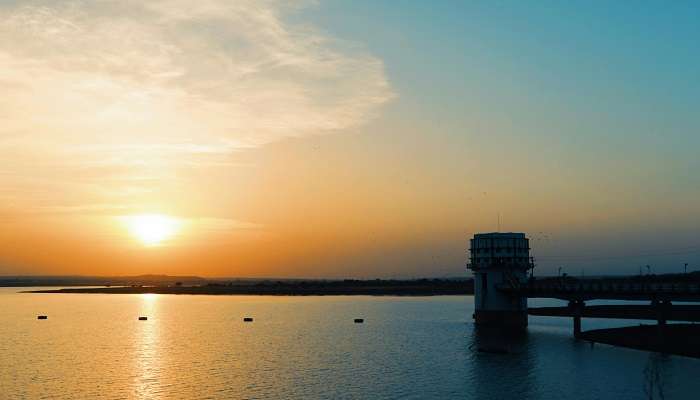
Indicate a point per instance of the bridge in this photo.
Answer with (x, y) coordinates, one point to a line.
(659, 293)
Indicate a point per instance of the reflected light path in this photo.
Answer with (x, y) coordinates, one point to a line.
(147, 367)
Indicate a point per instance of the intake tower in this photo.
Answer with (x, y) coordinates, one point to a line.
(499, 259)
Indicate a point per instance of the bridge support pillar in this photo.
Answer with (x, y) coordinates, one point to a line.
(577, 307)
(663, 308)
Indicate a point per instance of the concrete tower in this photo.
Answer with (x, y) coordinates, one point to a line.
(497, 260)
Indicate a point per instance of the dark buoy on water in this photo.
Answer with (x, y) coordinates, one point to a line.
(143, 318)
(248, 319)
(359, 320)
(493, 350)
(42, 317)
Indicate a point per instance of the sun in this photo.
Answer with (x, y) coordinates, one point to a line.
(152, 229)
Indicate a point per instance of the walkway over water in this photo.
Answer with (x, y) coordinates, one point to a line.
(637, 312)
(659, 293)
(604, 289)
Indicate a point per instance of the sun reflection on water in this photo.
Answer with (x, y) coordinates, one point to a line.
(149, 297)
(147, 364)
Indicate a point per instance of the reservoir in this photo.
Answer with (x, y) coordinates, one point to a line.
(308, 347)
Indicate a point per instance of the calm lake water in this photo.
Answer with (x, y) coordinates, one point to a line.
(93, 346)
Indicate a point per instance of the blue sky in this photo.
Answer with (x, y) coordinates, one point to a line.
(601, 93)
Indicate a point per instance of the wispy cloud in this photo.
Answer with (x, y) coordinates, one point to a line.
(212, 73)
(170, 82)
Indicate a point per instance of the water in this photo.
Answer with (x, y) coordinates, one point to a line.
(93, 346)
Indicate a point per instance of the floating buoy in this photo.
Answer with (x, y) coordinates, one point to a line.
(248, 319)
(143, 318)
(42, 317)
(493, 350)
(359, 320)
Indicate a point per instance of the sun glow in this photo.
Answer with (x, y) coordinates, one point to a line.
(152, 229)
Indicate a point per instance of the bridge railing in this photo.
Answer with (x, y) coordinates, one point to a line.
(605, 287)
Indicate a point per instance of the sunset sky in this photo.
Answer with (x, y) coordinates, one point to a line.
(346, 138)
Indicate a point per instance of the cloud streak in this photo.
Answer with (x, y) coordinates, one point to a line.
(169, 83)
(231, 73)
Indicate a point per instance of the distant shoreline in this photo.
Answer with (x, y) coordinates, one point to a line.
(304, 288)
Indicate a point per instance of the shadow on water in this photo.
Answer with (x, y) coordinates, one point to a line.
(503, 362)
(538, 364)
(654, 380)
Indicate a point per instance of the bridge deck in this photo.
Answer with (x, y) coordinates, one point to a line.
(605, 290)
(646, 312)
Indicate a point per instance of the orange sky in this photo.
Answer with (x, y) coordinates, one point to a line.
(278, 147)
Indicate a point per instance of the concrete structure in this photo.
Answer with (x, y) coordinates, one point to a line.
(499, 259)
(659, 291)
(500, 262)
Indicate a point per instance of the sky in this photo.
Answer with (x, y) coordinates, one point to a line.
(346, 139)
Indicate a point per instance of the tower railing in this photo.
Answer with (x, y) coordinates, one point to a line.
(502, 262)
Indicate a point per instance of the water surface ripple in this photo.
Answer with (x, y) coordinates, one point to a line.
(94, 346)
